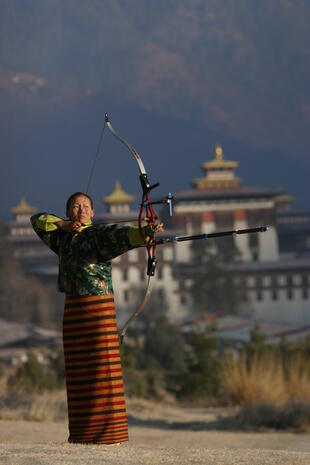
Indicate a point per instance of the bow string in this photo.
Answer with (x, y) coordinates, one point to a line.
(146, 213)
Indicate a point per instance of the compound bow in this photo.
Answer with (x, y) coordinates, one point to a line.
(148, 214)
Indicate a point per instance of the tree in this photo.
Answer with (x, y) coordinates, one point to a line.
(203, 377)
(213, 288)
(22, 297)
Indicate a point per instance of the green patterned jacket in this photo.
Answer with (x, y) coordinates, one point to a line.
(85, 257)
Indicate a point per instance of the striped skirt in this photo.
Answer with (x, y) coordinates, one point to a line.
(95, 390)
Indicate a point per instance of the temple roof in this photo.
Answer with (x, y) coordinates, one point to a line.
(218, 161)
(219, 173)
(118, 196)
(23, 208)
(243, 192)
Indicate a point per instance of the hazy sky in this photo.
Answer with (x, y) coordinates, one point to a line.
(176, 76)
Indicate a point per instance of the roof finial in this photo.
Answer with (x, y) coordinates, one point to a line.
(218, 152)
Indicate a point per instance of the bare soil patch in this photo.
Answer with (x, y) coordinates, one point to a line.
(159, 434)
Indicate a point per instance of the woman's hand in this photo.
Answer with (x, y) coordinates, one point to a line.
(156, 227)
(159, 227)
(70, 226)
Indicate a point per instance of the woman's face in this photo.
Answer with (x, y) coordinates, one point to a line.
(80, 209)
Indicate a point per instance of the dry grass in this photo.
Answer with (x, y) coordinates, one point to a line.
(262, 382)
(271, 395)
(298, 384)
(266, 380)
(49, 406)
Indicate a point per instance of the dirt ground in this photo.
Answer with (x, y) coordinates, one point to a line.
(158, 435)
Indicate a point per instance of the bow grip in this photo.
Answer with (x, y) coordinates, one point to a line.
(151, 266)
(146, 186)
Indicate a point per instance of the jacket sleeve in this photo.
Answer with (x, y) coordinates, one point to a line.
(46, 228)
(115, 240)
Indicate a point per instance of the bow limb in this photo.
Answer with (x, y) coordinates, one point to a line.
(129, 146)
(146, 186)
(139, 309)
(150, 217)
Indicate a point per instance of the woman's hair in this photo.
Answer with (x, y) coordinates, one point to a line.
(73, 196)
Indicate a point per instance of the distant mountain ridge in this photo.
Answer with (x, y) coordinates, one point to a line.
(243, 66)
(177, 76)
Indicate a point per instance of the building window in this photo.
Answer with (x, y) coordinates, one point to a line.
(183, 299)
(255, 255)
(305, 293)
(126, 295)
(259, 295)
(251, 281)
(266, 281)
(188, 284)
(297, 279)
(159, 273)
(274, 294)
(125, 275)
(142, 274)
(289, 293)
(281, 280)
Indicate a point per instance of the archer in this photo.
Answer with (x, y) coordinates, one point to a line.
(95, 391)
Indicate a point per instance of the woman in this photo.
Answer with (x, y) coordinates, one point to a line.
(95, 391)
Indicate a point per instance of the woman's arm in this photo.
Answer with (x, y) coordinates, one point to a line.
(47, 227)
(115, 240)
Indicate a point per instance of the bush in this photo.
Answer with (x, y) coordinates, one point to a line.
(30, 378)
(289, 416)
(203, 378)
(154, 368)
(57, 364)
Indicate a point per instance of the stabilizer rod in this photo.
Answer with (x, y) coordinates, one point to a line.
(210, 235)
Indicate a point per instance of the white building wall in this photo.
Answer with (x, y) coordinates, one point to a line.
(177, 310)
(162, 280)
(183, 250)
(242, 241)
(295, 310)
(268, 246)
(118, 286)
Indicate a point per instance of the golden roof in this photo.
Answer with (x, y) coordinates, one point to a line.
(284, 198)
(204, 183)
(218, 162)
(23, 208)
(118, 196)
(219, 173)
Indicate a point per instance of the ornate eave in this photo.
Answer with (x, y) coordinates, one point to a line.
(203, 183)
(285, 199)
(118, 196)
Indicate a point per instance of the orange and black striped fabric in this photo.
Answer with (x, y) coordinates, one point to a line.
(95, 390)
